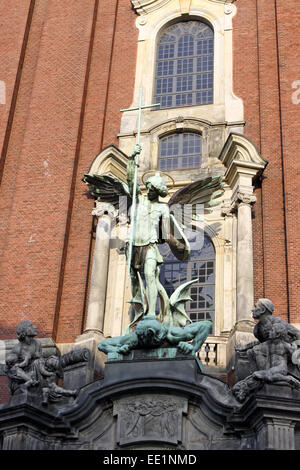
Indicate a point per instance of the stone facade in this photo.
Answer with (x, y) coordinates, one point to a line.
(63, 67)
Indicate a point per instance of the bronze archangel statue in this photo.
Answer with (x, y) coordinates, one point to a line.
(154, 224)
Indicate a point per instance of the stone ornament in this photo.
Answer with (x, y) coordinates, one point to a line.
(27, 369)
(18, 365)
(143, 7)
(245, 198)
(104, 208)
(274, 357)
(47, 371)
(145, 418)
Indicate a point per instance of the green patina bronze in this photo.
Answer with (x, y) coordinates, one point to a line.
(150, 334)
(152, 223)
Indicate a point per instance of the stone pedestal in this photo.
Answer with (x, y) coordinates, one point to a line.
(273, 415)
(159, 404)
(90, 340)
(241, 334)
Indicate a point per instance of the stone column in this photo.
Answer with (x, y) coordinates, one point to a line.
(96, 307)
(229, 271)
(242, 332)
(245, 294)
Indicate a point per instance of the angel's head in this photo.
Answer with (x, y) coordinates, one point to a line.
(156, 186)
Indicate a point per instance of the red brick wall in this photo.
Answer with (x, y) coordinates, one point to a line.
(289, 71)
(4, 392)
(70, 89)
(107, 92)
(266, 44)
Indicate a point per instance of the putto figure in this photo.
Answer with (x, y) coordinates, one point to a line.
(48, 371)
(19, 363)
(271, 358)
(27, 369)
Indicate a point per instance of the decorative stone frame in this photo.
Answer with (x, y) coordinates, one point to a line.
(213, 137)
(157, 15)
(110, 160)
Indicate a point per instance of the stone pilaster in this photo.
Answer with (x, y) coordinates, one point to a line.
(276, 434)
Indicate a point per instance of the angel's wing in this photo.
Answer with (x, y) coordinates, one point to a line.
(107, 188)
(203, 191)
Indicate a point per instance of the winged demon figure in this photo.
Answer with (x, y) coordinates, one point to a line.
(152, 222)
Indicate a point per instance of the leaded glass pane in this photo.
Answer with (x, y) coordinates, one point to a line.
(179, 151)
(185, 61)
(201, 266)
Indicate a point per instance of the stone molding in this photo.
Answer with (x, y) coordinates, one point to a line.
(213, 136)
(245, 198)
(143, 7)
(147, 6)
(241, 157)
(111, 160)
(155, 16)
(229, 206)
(122, 409)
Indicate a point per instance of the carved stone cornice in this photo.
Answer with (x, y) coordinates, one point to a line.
(143, 7)
(230, 206)
(241, 157)
(240, 198)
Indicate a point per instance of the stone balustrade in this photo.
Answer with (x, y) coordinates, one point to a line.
(213, 352)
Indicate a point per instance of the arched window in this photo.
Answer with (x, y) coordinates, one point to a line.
(179, 151)
(201, 266)
(184, 65)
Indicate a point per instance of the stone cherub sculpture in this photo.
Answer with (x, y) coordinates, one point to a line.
(273, 356)
(26, 368)
(48, 371)
(19, 363)
(154, 224)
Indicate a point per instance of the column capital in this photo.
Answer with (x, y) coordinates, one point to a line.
(245, 198)
(239, 198)
(104, 208)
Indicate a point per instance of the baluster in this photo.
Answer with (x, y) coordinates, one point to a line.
(207, 352)
(211, 354)
(202, 354)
